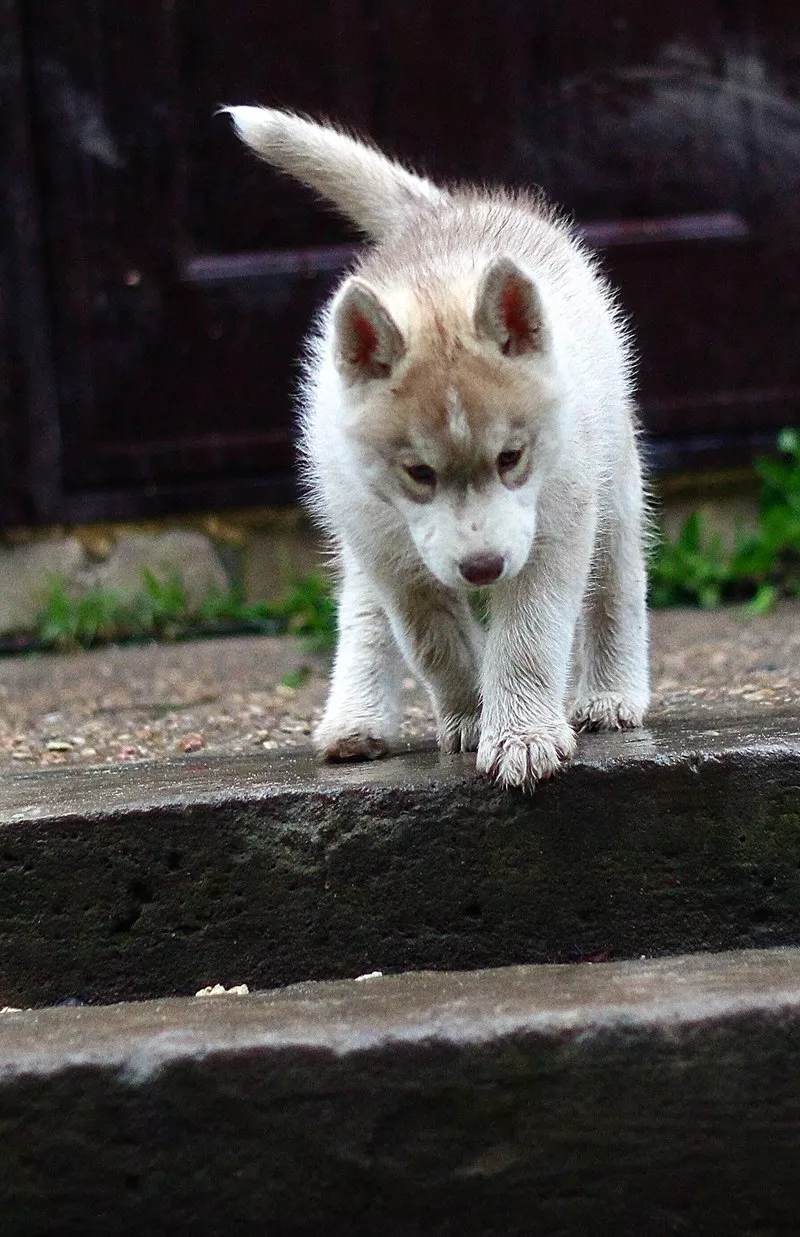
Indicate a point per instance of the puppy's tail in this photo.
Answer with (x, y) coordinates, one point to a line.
(367, 187)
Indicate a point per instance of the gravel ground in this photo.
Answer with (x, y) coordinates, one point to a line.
(228, 696)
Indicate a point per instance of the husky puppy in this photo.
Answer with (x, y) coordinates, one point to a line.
(468, 422)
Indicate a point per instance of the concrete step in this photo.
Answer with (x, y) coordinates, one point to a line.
(636, 1097)
(159, 878)
(641, 1097)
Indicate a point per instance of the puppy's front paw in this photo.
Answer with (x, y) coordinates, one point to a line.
(459, 732)
(339, 743)
(522, 760)
(607, 711)
(354, 747)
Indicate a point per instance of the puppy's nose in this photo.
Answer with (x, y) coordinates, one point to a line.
(482, 569)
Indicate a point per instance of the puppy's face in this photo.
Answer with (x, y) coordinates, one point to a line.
(455, 421)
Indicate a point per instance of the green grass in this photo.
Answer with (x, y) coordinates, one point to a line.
(697, 570)
(162, 610)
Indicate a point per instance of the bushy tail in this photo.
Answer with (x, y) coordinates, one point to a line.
(365, 186)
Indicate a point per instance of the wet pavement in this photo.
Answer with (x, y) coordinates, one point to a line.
(754, 728)
(251, 696)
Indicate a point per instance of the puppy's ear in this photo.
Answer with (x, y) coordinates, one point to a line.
(509, 310)
(367, 340)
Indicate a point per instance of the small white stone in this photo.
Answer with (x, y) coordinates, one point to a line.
(59, 745)
(221, 990)
(369, 975)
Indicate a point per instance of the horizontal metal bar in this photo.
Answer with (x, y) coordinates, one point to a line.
(765, 397)
(201, 444)
(330, 259)
(714, 226)
(260, 264)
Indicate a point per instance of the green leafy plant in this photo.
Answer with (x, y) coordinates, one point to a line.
(690, 570)
(162, 609)
(162, 606)
(69, 622)
(296, 678)
(309, 611)
(764, 565)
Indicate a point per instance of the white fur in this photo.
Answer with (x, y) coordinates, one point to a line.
(364, 185)
(506, 278)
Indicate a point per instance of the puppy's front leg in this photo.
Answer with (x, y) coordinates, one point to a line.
(442, 644)
(525, 735)
(361, 718)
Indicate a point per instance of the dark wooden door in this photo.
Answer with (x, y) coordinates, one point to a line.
(671, 129)
(178, 271)
(177, 275)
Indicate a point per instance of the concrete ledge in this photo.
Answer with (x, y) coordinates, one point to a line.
(651, 1098)
(158, 879)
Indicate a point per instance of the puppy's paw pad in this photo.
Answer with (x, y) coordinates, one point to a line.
(606, 712)
(354, 747)
(522, 760)
(459, 732)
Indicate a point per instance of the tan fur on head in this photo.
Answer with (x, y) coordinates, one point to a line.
(450, 385)
(456, 405)
(368, 343)
(509, 311)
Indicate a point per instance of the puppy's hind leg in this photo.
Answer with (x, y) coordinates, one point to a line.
(612, 642)
(361, 718)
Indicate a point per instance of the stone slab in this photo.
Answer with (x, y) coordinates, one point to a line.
(160, 878)
(29, 570)
(177, 552)
(642, 1097)
(28, 573)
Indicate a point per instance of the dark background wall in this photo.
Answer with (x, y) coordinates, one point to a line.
(155, 281)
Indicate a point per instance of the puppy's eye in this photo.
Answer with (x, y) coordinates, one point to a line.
(507, 460)
(421, 474)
